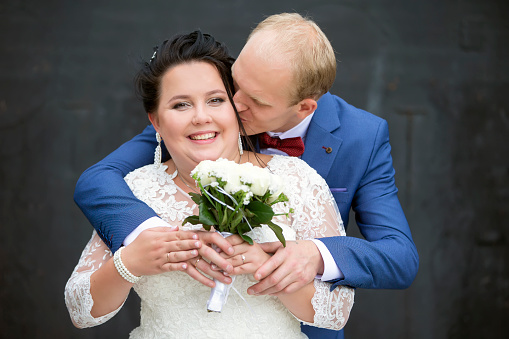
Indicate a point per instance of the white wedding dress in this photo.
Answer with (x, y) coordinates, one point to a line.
(173, 305)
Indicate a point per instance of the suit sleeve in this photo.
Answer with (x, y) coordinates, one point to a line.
(387, 258)
(104, 197)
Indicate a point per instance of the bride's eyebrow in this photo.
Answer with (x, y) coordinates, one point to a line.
(185, 97)
(178, 97)
(215, 91)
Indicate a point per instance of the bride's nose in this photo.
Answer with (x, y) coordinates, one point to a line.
(201, 116)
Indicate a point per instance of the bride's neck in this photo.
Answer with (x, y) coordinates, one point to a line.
(183, 172)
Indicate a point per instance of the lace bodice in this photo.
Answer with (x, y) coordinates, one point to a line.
(173, 305)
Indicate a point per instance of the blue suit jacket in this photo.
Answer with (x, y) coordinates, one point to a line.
(347, 146)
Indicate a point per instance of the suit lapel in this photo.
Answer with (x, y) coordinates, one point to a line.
(321, 146)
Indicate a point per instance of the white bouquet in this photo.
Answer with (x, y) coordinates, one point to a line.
(235, 199)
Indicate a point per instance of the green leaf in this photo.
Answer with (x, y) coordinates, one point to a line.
(193, 219)
(212, 203)
(281, 198)
(237, 213)
(243, 228)
(262, 212)
(206, 217)
(235, 222)
(278, 231)
(221, 197)
(196, 197)
(246, 239)
(224, 219)
(248, 213)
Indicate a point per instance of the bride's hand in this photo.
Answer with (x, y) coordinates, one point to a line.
(160, 249)
(246, 258)
(200, 266)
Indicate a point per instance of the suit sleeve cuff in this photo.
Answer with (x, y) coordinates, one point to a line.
(331, 271)
(149, 223)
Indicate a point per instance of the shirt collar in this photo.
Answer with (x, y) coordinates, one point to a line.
(298, 131)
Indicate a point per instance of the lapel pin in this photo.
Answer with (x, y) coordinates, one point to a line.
(327, 149)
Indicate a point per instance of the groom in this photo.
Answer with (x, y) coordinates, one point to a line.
(282, 78)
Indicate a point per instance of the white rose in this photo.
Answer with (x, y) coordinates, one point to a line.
(259, 186)
(276, 188)
(232, 178)
(203, 176)
(201, 170)
(207, 180)
(257, 178)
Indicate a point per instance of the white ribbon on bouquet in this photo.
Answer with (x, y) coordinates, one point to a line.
(219, 293)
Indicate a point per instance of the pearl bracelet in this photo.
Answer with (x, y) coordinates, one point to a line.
(122, 270)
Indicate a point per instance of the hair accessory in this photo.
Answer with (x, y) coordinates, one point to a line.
(155, 52)
(158, 153)
(122, 270)
(241, 150)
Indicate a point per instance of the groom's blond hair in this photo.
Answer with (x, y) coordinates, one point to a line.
(305, 48)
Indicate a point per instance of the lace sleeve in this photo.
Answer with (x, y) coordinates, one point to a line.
(316, 215)
(78, 299)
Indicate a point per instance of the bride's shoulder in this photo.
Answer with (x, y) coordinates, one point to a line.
(284, 164)
(288, 163)
(258, 159)
(147, 171)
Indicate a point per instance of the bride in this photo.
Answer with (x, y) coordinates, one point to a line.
(187, 92)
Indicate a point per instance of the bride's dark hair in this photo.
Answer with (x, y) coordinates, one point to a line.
(184, 48)
(180, 49)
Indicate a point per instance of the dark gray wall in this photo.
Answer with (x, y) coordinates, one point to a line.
(436, 70)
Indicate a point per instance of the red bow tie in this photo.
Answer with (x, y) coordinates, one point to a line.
(291, 146)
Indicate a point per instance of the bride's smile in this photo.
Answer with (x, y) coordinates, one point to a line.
(203, 136)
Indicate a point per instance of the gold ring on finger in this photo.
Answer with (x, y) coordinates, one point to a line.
(168, 257)
(243, 259)
(197, 261)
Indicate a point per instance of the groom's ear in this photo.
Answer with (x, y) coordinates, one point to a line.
(305, 107)
(154, 120)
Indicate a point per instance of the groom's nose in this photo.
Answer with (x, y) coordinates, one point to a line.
(239, 103)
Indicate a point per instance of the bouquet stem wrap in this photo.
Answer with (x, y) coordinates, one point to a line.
(219, 293)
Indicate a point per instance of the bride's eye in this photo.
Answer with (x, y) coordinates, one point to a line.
(181, 105)
(216, 101)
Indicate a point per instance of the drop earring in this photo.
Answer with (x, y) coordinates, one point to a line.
(158, 153)
(241, 150)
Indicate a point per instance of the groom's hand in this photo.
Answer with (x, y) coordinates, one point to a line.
(289, 269)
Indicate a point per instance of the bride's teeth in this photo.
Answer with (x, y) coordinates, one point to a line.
(203, 136)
